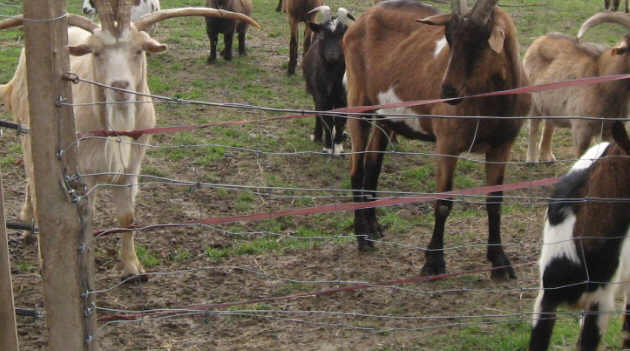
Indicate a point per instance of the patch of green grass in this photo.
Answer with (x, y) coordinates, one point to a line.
(182, 255)
(507, 336)
(147, 257)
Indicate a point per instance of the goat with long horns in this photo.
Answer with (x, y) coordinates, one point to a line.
(113, 54)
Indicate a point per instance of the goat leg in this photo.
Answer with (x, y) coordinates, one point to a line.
(227, 45)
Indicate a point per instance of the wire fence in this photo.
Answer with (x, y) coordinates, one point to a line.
(115, 313)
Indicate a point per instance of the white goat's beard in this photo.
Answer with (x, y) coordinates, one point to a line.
(120, 117)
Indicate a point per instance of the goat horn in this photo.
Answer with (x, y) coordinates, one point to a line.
(459, 7)
(143, 22)
(325, 11)
(344, 16)
(106, 14)
(124, 15)
(73, 20)
(482, 11)
(604, 17)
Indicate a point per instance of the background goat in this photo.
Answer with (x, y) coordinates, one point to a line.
(613, 5)
(298, 11)
(585, 258)
(556, 57)
(112, 54)
(391, 58)
(215, 26)
(139, 8)
(323, 67)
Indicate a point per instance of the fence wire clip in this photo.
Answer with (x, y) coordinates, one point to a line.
(72, 77)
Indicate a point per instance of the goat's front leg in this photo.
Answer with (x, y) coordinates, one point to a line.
(340, 124)
(543, 322)
(434, 256)
(495, 169)
(124, 200)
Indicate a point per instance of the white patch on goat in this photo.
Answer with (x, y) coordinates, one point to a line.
(558, 242)
(591, 155)
(344, 80)
(332, 25)
(439, 46)
(390, 97)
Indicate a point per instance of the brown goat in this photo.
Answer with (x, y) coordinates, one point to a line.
(392, 58)
(555, 57)
(612, 5)
(298, 11)
(227, 27)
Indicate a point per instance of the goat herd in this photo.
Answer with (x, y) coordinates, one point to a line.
(398, 50)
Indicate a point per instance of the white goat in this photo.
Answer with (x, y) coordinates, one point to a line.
(556, 57)
(112, 54)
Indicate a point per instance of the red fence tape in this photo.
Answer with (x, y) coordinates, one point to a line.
(358, 109)
(350, 206)
(209, 307)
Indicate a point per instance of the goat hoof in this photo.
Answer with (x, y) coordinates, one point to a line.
(503, 274)
(211, 61)
(135, 279)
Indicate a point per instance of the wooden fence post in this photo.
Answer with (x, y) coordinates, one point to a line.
(65, 237)
(8, 331)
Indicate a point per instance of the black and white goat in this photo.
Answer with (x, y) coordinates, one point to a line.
(585, 259)
(139, 8)
(323, 67)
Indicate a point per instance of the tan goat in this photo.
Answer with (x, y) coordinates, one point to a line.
(556, 57)
(113, 54)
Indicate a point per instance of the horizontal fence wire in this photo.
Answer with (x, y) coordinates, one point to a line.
(465, 156)
(303, 113)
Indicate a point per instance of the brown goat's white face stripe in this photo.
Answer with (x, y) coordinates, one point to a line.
(439, 46)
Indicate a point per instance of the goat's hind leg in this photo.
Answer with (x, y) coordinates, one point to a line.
(594, 323)
(625, 329)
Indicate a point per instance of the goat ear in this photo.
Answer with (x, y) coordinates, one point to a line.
(79, 50)
(621, 136)
(436, 20)
(153, 46)
(496, 40)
